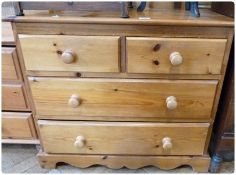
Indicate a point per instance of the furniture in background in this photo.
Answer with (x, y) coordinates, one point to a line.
(222, 143)
(17, 120)
(225, 8)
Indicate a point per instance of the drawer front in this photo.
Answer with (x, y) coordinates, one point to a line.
(68, 98)
(134, 138)
(175, 55)
(70, 53)
(13, 97)
(17, 126)
(10, 64)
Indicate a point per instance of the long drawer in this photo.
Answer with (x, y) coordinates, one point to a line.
(175, 55)
(116, 99)
(13, 97)
(132, 138)
(17, 125)
(10, 65)
(70, 53)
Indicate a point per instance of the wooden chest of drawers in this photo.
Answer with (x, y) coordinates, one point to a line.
(125, 92)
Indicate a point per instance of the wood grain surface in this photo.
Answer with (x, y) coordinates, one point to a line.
(10, 64)
(200, 56)
(117, 98)
(17, 125)
(132, 138)
(92, 53)
(13, 97)
(198, 163)
(92, 29)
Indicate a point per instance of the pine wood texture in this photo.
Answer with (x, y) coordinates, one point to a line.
(13, 97)
(17, 126)
(59, 137)
(198, 163)
(200, 56)
(93, 29)
(10, 65)
(92, 53)
(117, 98)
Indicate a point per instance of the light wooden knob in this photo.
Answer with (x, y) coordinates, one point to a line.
(74, 101)
(171, 102)
(166, 143)
(176, 58)
(68, 56)
(79, 142)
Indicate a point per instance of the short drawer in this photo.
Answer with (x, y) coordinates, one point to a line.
(70, 53)
(175, 55)
(10, 65)
(17, 125)
(119, 99)
(133, 138)
(13, 97)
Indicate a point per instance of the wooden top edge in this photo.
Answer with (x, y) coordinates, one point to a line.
(172, 18)
(121, 21)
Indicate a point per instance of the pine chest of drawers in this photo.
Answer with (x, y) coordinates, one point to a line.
(125, 92)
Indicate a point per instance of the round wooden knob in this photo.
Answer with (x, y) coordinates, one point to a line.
(79, 142)
(176, 58)
(171, 102)
(74, 101)
(68, 56)
(166, 143)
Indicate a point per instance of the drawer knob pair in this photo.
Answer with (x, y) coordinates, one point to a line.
(176, 58)
(79, 142)
(68, 56)
(171, 102)
(74, 101)
(166, 143)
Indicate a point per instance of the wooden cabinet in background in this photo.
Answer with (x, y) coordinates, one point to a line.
(17, 120)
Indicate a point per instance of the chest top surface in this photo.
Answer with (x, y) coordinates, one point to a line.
(148, 17)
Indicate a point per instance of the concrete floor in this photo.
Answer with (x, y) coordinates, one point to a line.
(22, 159)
